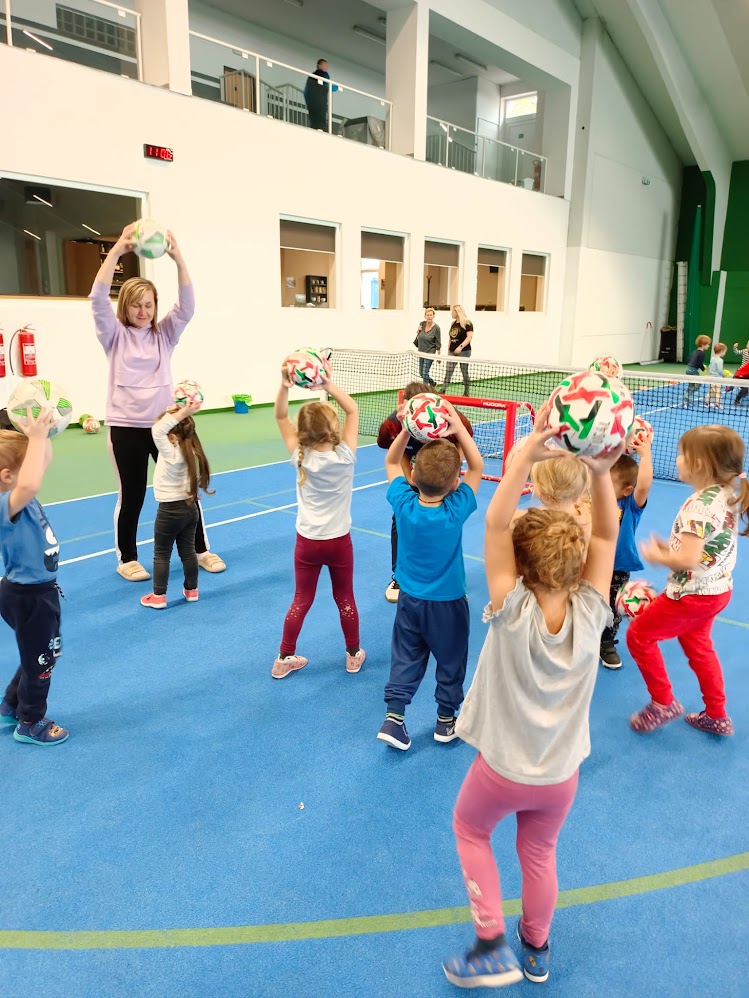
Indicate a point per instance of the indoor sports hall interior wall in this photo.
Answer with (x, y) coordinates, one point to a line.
(625, 209)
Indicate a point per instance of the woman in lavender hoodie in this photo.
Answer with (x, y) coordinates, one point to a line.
(139, 349)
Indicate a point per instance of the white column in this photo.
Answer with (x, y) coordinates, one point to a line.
(165, 44)
(407, 64)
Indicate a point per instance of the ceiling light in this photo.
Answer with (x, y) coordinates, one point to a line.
(371, 35)
(295, 3)
(33, 235)
(37, 198)
(448, 69)
(95, 231)
(470, 61)
(45, 44)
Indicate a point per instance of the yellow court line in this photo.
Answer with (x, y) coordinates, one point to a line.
(243, 935)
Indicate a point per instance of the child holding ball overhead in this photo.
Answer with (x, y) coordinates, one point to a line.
(432, 615)
(700, 554)
(181, 469)
(139, 348)
(527, 709)
(323, 454)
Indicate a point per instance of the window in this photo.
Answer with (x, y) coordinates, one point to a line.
(523, 106)
(53, 239)
(381, 270)
(307, 264)
(441, 262)
(533, 283)
(491, 280)
(95, 31)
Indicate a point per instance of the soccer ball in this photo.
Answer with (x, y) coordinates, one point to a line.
(91, 425)
(609, 366)
(641, 431)
(426, 417)
(150, 239)
(36, 395)
(305, 368)
(591, 413)
(634, 597)
(186, 392)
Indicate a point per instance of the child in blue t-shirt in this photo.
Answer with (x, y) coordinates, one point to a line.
(29, 595)
(632, 483)
(432, 614)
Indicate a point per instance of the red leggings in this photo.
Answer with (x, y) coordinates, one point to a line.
(690, 620)
(309, 558)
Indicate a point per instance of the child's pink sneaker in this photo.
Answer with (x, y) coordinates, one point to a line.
(289, 663)
(654, 716)
(154, 601)
(713, 725)
(356, 661)
(191, 595)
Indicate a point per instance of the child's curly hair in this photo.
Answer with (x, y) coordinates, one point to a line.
(549, 548)
(559, 480)
(317, 423)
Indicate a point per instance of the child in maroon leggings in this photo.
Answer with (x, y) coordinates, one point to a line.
(324, 454)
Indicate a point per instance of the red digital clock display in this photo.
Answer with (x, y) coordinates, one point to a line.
(158, 152)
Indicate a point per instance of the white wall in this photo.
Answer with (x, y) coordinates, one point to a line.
(234, 174)
(454, 102)
(622, 232)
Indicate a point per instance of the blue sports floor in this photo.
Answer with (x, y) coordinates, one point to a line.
(163, 851)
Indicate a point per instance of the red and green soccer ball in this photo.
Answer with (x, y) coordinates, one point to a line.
(607, 365)
(187, 392)
(634, 597)
(306, 369)
(592, 414)
(640, 432)
(426, 417)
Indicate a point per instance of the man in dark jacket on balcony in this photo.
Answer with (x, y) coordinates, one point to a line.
(316, 96)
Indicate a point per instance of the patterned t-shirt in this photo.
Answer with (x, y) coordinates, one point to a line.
(711, 516)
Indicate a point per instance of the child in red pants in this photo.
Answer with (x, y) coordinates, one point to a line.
(701, 555)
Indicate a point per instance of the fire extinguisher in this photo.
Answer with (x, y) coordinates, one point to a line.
(26, 351)
(2, 355)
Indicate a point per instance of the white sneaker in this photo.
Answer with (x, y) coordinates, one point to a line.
(392, 592)
(133, 571)
(211, 562)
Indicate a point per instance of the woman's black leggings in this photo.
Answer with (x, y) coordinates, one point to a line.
(130, 448)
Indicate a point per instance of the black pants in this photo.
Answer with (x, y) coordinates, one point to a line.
(741, 394)
(34, 614)
(450, 369)
(423, 626)
(175, 521)
(618, 579)
(318, 114)
(131, 448)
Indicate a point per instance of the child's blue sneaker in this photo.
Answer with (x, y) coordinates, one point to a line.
(395, 734)
(484, 970)
(535, 961)
(44, 732)
(7, 713)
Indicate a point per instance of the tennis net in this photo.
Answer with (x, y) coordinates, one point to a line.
(673, 404)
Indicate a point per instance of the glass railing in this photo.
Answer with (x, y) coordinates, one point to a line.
(461, 149)
(93, 33)
(253, 82)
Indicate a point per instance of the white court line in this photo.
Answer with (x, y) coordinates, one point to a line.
(214, 474)
(210, 526)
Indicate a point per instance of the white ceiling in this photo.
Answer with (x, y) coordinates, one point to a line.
(713, 36)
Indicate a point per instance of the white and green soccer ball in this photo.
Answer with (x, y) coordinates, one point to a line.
(150, 239)
(187, 391)
(37, 394)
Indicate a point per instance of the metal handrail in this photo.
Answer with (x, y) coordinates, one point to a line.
(486, 138)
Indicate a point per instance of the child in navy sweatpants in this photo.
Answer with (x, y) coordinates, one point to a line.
(432, 614)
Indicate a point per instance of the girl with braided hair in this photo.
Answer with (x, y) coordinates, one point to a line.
(181, 469)
(323, 454)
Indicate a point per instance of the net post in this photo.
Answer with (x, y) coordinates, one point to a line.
(510, 413)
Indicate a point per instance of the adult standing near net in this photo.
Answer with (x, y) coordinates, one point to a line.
(461, 335)
(139, 349)
(428, 340)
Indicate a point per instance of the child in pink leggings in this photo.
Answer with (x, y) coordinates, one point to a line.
(527, 709)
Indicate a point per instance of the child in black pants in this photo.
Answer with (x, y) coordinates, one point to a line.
(29, 595)
(432, 613)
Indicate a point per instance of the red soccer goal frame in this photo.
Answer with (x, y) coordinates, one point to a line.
(509, 407)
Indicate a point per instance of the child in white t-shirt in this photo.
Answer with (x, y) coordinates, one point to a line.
(324, 454)
(527, 709)
(716, 370)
